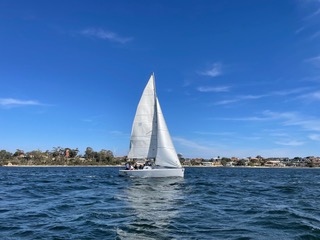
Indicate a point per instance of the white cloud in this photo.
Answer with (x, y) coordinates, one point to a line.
(311, 18)
(295, 119)
(11, 102)
(312, 79)
(105, 35)
(119, 133)
(195, 149)
(275, 134)
(251, 97)
(215, 133)
(315, 35)
(190, 144)
(87, 120)
(239, 98)
(290, 143)
(285, 118)
(315, 137)
(214, 89)
(288, 91)
(313, 96)
(245, 119)
(285, 92)
(314, 14)
(187, 83)
(314, 60)
(299, 30)
(225, 102)
(214, 71)
(308, 124)
(208, 150)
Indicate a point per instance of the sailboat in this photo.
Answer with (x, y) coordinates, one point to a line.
(150, 141)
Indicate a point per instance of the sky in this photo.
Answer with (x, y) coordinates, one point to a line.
(234, 78)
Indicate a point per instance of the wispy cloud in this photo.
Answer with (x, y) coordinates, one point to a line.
(295, 119)
(290, 143)
(189, 143)
(214, 89)
(314, 14)
(238, 99)
(225, 102)
(119, 133)
(253, 118)
(311, 79)
(315, 137)
(198, 148)
(278, 134)
(187, 83)
(105, 35)
(215, 133)
(254, 97)
(314, 60)
(315, 35)
(214, 71)
(287, 92)
(209, 150)
(310, 19)
(87, 120)
(312, 96)
(299, 30)
(306, 122)
(12, 102)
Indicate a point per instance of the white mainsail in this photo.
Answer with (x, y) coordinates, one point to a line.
(143, 142)
(150, 137)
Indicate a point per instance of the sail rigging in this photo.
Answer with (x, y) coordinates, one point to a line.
(150, 138)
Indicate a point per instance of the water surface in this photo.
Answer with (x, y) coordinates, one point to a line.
(209, 203)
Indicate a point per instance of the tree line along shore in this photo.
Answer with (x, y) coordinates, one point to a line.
(60, 156)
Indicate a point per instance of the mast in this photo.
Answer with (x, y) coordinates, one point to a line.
(155, 96)
(155, 117)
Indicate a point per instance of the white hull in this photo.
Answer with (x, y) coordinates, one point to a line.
(159, 172)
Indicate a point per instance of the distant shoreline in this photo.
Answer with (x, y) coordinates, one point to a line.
(61, 166)
(254, 167)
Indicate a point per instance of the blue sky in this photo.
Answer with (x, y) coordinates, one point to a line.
(234, 78)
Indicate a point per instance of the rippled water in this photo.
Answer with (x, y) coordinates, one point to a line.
(209, 203)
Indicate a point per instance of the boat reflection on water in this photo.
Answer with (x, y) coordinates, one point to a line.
(153, 205)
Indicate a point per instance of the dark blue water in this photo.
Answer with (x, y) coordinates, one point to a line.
(209, 203)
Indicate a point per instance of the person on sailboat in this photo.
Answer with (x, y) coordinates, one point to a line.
(127, 165)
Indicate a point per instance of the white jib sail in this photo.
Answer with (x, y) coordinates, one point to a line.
(166, 153)
(143, 142)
